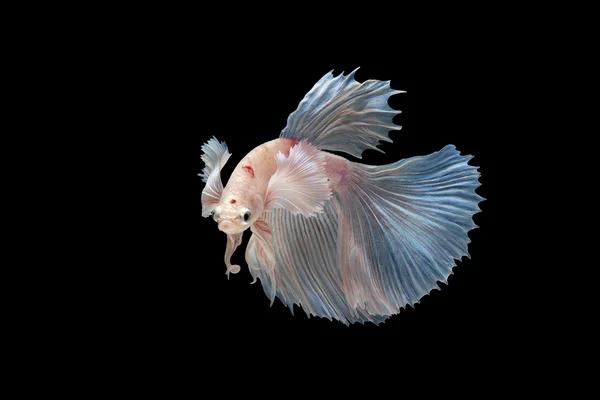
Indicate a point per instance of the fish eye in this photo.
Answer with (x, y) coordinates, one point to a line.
(246, 216)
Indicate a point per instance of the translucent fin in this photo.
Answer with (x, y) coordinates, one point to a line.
(261, 258)
(214, 155)
(300, 184)
(340, 114)
(402, 226)
(385, 239)
(303, 268)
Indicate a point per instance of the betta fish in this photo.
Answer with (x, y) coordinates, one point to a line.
(341, 239)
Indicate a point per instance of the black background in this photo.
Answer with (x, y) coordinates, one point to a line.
(176, 284)
(142, 270)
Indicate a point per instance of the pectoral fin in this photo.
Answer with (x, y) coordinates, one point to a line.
(300, 184)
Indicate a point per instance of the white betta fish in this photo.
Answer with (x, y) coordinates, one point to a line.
(341, 239)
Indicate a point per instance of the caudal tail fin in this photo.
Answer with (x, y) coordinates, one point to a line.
(402, 225)
(385, 239)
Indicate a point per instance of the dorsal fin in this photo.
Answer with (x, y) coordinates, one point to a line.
(341, 114)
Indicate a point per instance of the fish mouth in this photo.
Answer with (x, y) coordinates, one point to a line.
(225, 225)
(228, 225)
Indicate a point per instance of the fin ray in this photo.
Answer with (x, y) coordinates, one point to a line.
(305, 269)
(300, 184)
(341, 114)
(425, 226)
(214, 154)
(387, 237)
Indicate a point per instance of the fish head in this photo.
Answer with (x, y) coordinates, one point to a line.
(236, 215)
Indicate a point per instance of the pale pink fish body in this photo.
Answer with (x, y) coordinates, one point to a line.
(344, 240)
(249, 179)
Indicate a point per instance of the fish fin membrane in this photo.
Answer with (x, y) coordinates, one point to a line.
(297, 262)
(403, 225)
(300, 183)
(341, 114)
(260, 257)
(383, 242)
(214, 155)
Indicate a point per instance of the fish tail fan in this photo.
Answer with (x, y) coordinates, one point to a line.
(402, 226)
(382, 242)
